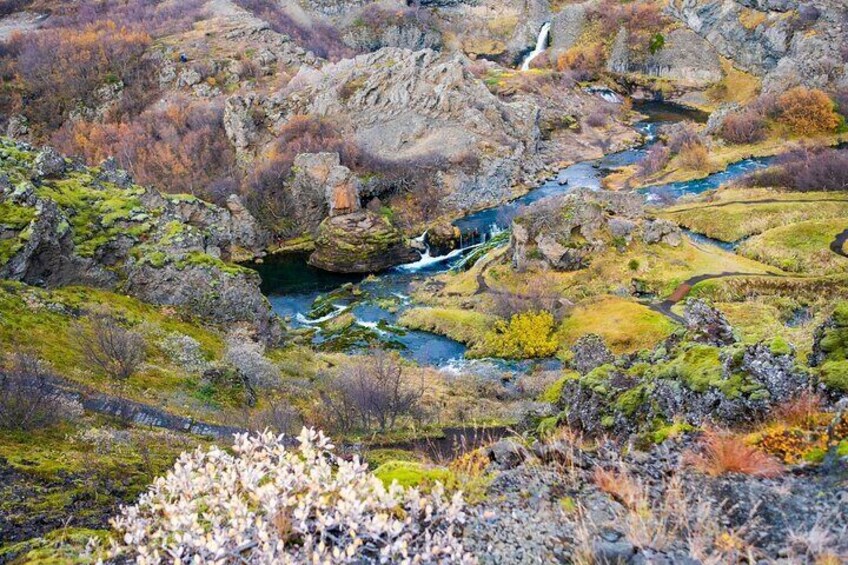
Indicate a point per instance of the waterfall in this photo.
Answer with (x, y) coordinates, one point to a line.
(541, 45)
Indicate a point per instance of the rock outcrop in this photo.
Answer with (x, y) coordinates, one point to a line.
(786, 42)
(405, 107)
(321, 187)
(564, 232)
(71, 225)
(361, 242)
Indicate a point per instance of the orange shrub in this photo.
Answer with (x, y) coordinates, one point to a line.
(808, 111)
(723, 452)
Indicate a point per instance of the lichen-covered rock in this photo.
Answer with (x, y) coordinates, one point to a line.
(239, 124)
(361, 242)
(48, 164)
(706, 324)
(111, 172)
(590, 352)
(565, 232)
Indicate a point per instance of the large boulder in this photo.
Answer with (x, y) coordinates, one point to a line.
(361, 242)
(565, 232)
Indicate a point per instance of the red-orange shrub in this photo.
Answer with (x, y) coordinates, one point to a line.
(723, 452)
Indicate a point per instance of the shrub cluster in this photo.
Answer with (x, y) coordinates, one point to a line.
(30, 398)
(808, 111)
(526, 336)
(743, 128)
(805, 170)
(268, 503)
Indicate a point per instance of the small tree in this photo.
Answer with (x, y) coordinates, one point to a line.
(118, 352)
(372, 395)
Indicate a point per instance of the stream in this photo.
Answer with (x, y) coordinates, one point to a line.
(348, 312)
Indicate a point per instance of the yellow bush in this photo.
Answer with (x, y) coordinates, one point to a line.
(808, 111)
(695, 157)
(525, 336)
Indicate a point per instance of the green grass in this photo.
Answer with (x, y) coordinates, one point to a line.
(625, 325)
(731, 222)
(803, 247)
(465, 326)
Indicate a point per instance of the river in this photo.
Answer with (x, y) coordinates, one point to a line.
(314, 301)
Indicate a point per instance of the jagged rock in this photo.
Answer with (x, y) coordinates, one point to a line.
(706, 324)
(48, 164)
(361, 242)
(111, 172)
(321, 186)
(245, 229)
(590, 352)
(613, 552)
(507, 454)
(239, 124)
(662, 231)
(778, 372)
(47, 258)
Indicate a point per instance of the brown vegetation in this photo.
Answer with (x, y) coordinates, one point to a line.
(107, 345)
(723, 452)
(808, 111)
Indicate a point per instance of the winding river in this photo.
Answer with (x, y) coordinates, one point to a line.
(310, 299)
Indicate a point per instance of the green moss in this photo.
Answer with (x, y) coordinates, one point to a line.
(628, 402)
(780, 346)
(842, 448)
(834, 374)
(598, 379)
(65, 546)
(413, 474)
(15, 217)
(666, 431)
(200, 259)
(547, 425)
(553, 393)
(699, 367)
(568, 504)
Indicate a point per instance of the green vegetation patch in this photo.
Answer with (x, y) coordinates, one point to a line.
(414, 474)
(465, 326)
(803, 247)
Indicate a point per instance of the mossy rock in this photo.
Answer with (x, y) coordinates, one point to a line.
(834, 374)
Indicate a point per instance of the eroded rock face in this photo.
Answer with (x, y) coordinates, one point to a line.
(787, 42)
(159, 248)
(407, 106)
(565, 232)
(361, 242)
(321, 186)
(590, 352)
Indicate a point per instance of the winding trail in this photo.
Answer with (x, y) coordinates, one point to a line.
(838, 244)
(138, 413)
(763, 201)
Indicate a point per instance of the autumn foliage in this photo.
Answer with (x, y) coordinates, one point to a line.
(808, 111)
(722, 452)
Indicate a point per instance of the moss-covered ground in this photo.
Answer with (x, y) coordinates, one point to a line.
(802, 247)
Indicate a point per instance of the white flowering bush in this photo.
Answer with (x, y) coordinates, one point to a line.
(272, 503)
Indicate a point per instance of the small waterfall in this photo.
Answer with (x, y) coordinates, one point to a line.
(541, 45)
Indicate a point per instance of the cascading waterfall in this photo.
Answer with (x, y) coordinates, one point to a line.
(541, 45)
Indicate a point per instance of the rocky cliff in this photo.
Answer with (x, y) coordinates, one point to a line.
(787, 42)
(405, 106)
(65, 224)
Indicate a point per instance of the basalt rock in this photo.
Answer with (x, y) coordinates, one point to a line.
(442, 238)
(706, 324)
(361, 242)
(590, 352)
